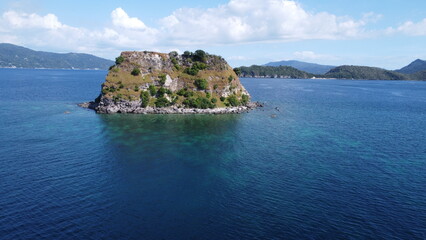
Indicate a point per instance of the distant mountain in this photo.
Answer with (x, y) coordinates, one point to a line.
(303, 66)
(414, 67)
(341, 72)
(20, 57)
(274, 72)
(361, 72)
(418, 75)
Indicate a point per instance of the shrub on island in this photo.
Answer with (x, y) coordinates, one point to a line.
(244, 99)
(162, 102)
(145, 99)
(199, 102)
(161, 91)
(136, 71)
(201, 84)
(233, 101)
(152, 90)
(162, 78)
(119, 60)
(196, 67)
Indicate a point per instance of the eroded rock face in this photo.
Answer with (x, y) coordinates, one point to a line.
(109, 106)
(171, 84)
(190, 83)
(148, 60)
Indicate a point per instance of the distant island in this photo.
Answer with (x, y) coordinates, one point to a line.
(414, 71)
(414, 67)
(151, 82)
(272, 72)
(12, 56)
(312, 68)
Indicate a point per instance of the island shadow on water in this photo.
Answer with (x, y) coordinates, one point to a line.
(165, 160)
(170, 136)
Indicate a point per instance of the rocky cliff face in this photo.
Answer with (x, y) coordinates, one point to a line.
(150, 82)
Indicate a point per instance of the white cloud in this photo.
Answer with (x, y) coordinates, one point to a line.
(412, 28)
(371, 17)
(236, 22)
(240, 58)
(4, 38)
(48, 32)
(23, 20)
(309, 55)
(121, 19)
(257, 20)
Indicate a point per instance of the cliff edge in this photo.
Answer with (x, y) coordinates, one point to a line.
(151, 82)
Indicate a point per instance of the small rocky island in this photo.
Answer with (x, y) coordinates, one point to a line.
(161, 83)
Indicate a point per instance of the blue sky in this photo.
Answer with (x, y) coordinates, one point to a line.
(388, 34)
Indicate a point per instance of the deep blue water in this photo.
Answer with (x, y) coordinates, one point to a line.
(337, 160)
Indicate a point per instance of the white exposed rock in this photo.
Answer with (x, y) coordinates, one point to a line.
(106, 106)
(171, 84)
(226, 92)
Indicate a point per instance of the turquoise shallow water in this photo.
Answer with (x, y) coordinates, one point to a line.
(335, 160)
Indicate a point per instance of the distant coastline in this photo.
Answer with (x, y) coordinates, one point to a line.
(341, 72)
(71, 69)
(13, 56)
(17, 57)
(323, 78)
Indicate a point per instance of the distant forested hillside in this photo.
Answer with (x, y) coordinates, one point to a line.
(273, 72)
(414, 67)
(342, 72)
(361, 72)
(20, 57)
(418, 75)
(303, 66)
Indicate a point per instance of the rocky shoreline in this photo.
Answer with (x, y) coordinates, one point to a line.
(134, 107)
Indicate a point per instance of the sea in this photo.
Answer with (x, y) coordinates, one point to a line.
(323, 159)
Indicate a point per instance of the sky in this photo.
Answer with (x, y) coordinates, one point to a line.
(388, 34)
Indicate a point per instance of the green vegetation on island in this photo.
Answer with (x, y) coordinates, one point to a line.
(192, 80)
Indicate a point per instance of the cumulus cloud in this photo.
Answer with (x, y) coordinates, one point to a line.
(258, 20)
(411, 28)
(23, 20)
(309, 55)
(236, 22)
(240, 58)
(121, 19)
(47, 31)
(34, 29)
(5, 38)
